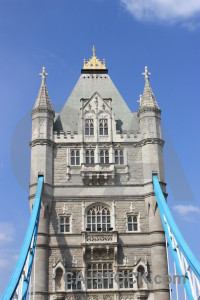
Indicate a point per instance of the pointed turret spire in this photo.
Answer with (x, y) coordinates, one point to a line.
(148, 99)
(43, 101)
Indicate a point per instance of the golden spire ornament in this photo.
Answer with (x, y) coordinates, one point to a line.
(94, 63)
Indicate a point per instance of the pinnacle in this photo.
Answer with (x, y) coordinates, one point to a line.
(43, 101)
(148, 99)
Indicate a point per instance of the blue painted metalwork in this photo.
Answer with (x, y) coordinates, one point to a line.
(30, 234)
(168, 222)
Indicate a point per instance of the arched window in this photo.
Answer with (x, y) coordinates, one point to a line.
(89, 157)
(119, 157)
(106, 272)
(59, 280)
(103, 127)
(140, 279)
(104, 157)
(98, 219)
(89, 127)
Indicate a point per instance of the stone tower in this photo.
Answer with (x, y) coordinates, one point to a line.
(100, 235)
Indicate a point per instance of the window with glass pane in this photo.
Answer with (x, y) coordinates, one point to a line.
(126, 279)
(89, 157)
(98, 219)
(75, 157)
(64, 224)
(104, 157)
(94, 271)
(132, 223)
(119, 157)
(89, 127)
(103, 127)
(73, 281)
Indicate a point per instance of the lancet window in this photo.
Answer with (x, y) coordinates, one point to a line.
(119, 157)
(89, 156)
(104, 157)
(103, 127)
(89, 127)
(75, 157)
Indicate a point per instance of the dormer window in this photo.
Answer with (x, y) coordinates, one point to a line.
(104, 157)
(103, 127)
(89, 127)
(89, 157)
(75, 157)
(119, 157)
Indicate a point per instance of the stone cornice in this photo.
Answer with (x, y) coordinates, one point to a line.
(43, 109)
(42, 142)
(152, 141)
(144, 109)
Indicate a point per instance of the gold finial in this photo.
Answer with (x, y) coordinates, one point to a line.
(93, 50)
(94, 63)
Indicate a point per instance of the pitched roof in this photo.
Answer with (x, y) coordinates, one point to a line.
(86, 86)
(148, 99)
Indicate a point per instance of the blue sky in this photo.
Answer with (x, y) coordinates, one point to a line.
(129, 34)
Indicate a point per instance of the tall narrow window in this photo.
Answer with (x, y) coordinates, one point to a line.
(104, 271)
(103, 127)
(119, 157)
(89, 127)
(132, 223)
(64, 224)
(104, 157)
(140, 274)
(89, 157)
(98, 219)
(75, 157)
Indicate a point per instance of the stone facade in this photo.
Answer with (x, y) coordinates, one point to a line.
(98, 210)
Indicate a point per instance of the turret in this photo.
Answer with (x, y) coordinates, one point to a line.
(42, 163)
(150, 126)
(42, 134)
(152, 156)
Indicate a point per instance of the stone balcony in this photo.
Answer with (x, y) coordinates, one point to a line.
(98, 173)
(100, 245)
(100, 238)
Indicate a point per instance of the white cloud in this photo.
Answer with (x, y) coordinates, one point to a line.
(7, 232)
(187, 211)
(164, 10)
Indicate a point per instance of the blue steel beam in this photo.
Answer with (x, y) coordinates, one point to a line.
(17, 273)
(182, 245)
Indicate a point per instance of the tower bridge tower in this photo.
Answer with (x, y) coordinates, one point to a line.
(99, 212)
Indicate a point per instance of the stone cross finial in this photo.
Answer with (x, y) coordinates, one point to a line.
(146, 74)
(43, 74)
(93, 49)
